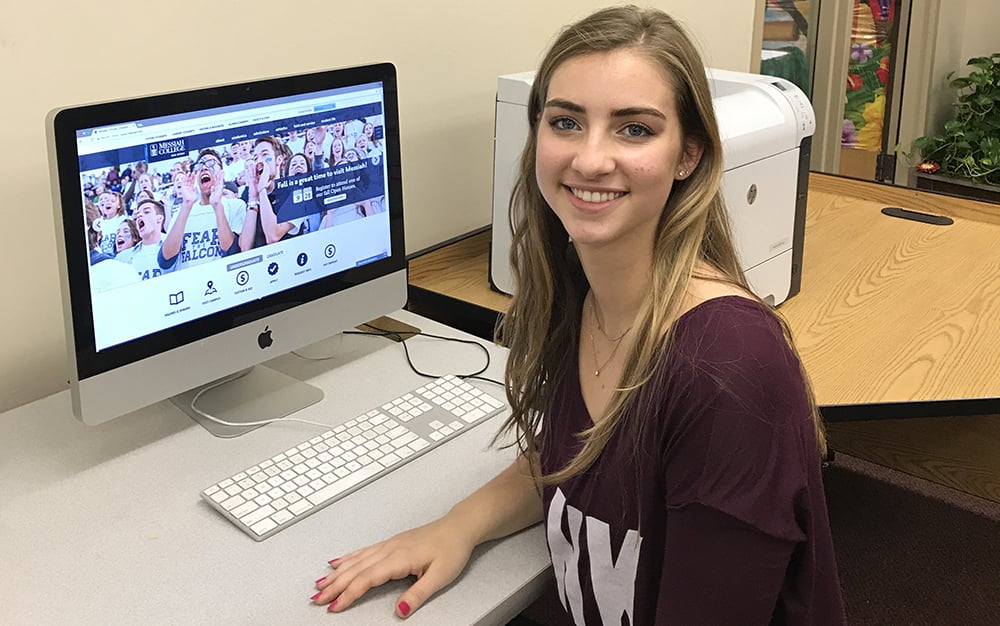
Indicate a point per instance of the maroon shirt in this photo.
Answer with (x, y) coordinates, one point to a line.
(718, 516)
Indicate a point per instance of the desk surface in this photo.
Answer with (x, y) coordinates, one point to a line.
(104, 525)
(891, 311)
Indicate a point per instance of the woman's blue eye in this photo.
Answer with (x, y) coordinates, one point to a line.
(563, 123)
(637, 130)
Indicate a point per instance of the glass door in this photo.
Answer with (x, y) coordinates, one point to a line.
(868, 111)
(854, 73)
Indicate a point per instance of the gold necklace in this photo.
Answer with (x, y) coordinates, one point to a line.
(600, 327)
(593, 343)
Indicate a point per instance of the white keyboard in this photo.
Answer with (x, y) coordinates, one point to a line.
(274, 494)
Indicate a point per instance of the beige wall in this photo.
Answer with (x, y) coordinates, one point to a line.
(966, 29)
(448, 54)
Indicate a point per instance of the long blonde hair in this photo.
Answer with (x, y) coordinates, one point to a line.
(539, 328)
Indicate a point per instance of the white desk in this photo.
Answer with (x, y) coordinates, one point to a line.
(104, 525)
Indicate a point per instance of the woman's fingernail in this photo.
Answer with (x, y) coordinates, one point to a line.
(334, 561)
(316, 595)
(332, 606)
(319, 580)
(404, 609)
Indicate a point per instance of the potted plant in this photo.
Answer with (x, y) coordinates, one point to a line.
(964, 159)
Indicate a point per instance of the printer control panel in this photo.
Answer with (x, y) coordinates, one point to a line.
(801, 106)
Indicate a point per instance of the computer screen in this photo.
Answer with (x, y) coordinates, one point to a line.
(203, 232)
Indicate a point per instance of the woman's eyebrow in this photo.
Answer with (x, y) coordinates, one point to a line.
(636, 111)
(624, 112)
(564, 104)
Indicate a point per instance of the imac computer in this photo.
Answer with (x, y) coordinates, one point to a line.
(203, 232)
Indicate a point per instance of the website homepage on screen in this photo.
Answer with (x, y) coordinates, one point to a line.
(195, 213)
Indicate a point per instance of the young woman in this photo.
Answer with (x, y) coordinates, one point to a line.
(126, 237)
(336, 151)
(668, 436)
(112, 209)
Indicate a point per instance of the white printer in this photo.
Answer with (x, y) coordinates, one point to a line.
(766, 125)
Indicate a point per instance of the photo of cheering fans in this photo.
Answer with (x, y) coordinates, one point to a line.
(262, 173)
(144, 255)
(112, 214)
(207, 223)
(180, 209)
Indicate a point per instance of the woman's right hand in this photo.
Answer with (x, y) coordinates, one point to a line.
(435, 553)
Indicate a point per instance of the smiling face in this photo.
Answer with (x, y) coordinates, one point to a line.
(361, 143)
(146, 182)
(369, 130)
(337, 150)
(609, 147)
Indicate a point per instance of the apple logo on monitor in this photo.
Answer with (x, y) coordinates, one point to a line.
(264, 339)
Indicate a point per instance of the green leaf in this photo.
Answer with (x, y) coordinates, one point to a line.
(983, 63)
(953, 126)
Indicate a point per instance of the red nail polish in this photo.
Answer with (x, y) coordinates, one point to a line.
(404, 609)
(334, 561)
(332, 606)
(319, 580)
(316, 595)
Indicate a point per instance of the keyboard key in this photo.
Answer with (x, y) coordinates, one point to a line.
(349, 481)
(263, 526)
(390, 459)
(243, 509)
(258, 514)
(232, 503)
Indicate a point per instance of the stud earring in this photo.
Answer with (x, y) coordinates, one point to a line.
(682, 173)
